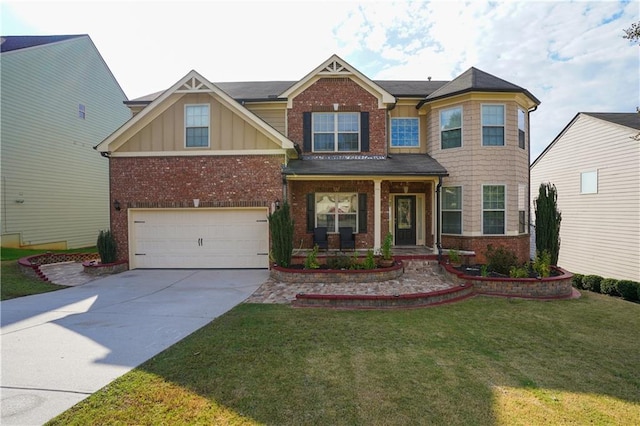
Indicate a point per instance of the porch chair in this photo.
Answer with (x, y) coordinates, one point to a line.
(320, 238)
(347, 238)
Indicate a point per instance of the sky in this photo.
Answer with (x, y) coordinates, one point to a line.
(570, 55)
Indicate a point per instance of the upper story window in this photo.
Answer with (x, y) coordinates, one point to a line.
(336, 132)
(196, 125)
(589, 182)
(452, 210)
(493, 209)
(451, 128)
(492, 125)
(522, 133)
(405, 133)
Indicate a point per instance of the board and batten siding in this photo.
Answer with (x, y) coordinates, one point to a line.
(599, 233)
(55, 186)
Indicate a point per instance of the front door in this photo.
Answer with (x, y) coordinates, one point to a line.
(405, 225)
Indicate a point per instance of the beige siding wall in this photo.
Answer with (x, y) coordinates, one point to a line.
(273, 115)
(600, 233)
(409, 111)
(227, 130)
(55, 186)
(473, 165)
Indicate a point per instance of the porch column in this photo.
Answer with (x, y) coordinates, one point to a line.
(377, 214)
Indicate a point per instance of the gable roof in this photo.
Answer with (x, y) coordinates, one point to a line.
(193, 82)
(11, 43)
(475, 80)
(627, 119)
(338, 67)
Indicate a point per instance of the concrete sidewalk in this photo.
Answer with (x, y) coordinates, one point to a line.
(60, 347)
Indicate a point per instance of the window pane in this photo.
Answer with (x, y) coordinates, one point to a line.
(325, 203)
(451, 138)
(323, 142)
(335, 210)
(452, 222)
(493, 197)
(451, 119)
(493, 136)
(328, 220)
(492, 115)
(197, 136)
(522, 225)
(452, 198)
(197, 116)
(589, 182)
(323, 122)
(404, 132)
(493, 222)
(347, 142)
(348, 220)
(347, 203)
(348, 123)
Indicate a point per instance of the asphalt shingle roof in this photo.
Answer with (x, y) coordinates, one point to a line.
(629, 119)
(10, 43)
(396, 165)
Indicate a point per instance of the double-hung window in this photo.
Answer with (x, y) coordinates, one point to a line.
(451, 128)
(336, 132)
(493, 209)
(589, 182)
(452, 210)
(522, 134)
(335, 210)
(196, 125)
(492, 125)
(404, 133)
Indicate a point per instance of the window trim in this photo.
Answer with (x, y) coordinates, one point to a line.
(336, 214)
(503, 126)
(417, 121)
(461, 108)
(503, 210)
(335, 131)
(589, 173)
(186, 107)
(444, 209)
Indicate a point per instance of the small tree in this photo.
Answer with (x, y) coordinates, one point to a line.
(281, 229)
(106, 246)
(548, 220)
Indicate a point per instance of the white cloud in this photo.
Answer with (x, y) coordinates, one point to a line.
(568, 54)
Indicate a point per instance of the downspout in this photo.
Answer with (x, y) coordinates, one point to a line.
(438, 233)
(529, 163)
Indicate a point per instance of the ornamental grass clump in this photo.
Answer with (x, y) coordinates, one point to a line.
(107, 248)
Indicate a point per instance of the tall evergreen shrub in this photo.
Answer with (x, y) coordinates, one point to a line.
(281, 229)
(106, 245)
(548, 220)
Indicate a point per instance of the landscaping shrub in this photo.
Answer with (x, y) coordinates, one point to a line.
(311, 261)
(541, 264)
(281, 228)
(106, 246)
(339, 262)
(629, 290)
(519, 272)
(592, 283)
(548, 220)
(500, 259)
(369, 261)
(577, 281)
(609, 286)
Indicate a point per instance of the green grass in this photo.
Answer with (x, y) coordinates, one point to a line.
(16, 284)
(484, 361)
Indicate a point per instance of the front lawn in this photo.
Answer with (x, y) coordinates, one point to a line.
(484, 361)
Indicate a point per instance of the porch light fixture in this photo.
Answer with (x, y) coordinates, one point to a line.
(336, 106)
(116, 205)
(196, 202)
(405, 188)
(277, 203)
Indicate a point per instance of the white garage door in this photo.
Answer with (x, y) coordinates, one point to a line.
(199, 238)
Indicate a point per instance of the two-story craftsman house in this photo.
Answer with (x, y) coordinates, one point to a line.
(438, 164)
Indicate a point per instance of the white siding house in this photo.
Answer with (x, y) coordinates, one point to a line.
(59, 100)
(595, 165)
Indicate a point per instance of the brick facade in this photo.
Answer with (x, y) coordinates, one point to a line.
(164, 182)
(320, 97)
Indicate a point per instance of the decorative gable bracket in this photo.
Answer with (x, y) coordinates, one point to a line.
(335, 68)
(193, 85)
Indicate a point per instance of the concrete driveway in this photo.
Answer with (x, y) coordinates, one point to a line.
(60, 347)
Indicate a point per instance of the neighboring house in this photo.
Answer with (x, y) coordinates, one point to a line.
(438, 164)
(59, 99)
(595, 165)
